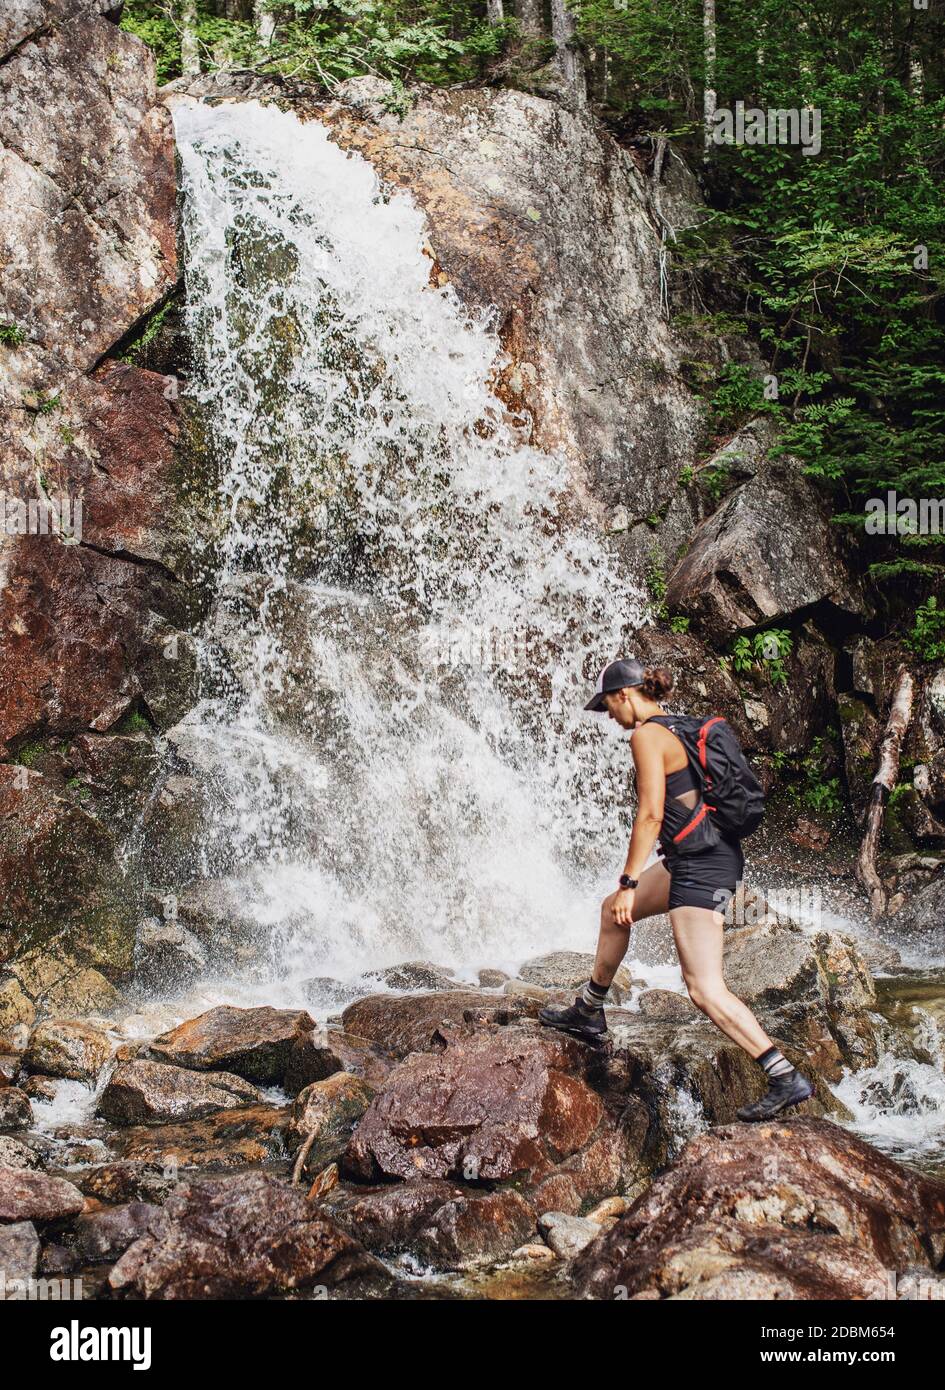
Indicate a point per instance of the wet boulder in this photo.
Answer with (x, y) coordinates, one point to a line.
(236, 1138)
(494, 1106)
(797, 1208)
(665, 1006)
(316, 1055)
(68, 1048)
(813, 987)
(167, 955)
(253, 1043)
(681, 1078)
(142, 1092)
(323, 1115)
(19, 1253)
(415, 975)
(388, 1218)
(29, 1196)
(15, 1109)
(442, 1223)
(213, 912)
(416, 1023)
(246, 1236)
(124, 1182)
(473, 1230)
(920, 921)
(102, 1236)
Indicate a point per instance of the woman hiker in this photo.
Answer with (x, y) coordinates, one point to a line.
(702, 863)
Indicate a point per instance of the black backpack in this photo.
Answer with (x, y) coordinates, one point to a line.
(734, 800)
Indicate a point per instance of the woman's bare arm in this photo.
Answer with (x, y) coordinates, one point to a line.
(647, 752)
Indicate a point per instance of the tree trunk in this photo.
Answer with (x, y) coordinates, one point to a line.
(189, 51)
(265, 22)
(495, 12)
(887, 773)
(569, 57)
(709, 97)
(530, 15)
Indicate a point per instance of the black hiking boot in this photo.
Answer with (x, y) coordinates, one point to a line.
(576, 1018)
(782, 1093)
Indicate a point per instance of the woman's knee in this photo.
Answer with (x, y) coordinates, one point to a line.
(710, 999)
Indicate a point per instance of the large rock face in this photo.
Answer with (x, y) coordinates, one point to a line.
(796, 1209)
(88, 245)
(86, 146)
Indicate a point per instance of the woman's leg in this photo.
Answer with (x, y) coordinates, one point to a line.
(585, 1017)
(651, 897)
(698, 935)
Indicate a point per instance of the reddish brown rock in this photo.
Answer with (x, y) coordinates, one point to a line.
(29, 1196)
(443, 1224)
(318, 1054)
(323, 1115)
(419, 1022)
(490, 1107)
(104, 1235)
(799, 1208)
(142, 1092)
(388, 1218)
(75, 624)
(226, 1139)
(254, 1043)
(237, 1237)
(474, 1230)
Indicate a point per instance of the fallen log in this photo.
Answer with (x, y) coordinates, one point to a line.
(887, 773)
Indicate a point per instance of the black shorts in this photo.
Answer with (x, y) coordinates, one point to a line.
(706, 879)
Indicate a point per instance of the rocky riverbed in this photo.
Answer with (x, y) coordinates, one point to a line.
(433, 1140)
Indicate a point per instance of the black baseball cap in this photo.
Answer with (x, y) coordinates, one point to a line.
(620, 673)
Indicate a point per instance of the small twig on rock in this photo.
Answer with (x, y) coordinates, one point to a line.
(302, 1157)
(887, 772)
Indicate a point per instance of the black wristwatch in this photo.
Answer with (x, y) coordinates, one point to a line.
(626, 881)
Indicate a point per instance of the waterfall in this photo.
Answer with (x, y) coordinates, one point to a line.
(407, 601)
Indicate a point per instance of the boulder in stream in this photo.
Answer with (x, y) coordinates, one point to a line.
(794, 1209)
(570, 970)
(254, 1043)
(419, 1022)
(68, 1048)
(29, 1196)
(246, 1236)
(142, 1092)
(497, 1106)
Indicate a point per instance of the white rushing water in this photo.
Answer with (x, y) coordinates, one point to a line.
(408, 603)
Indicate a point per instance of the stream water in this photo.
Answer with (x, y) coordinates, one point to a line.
(407, 605)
